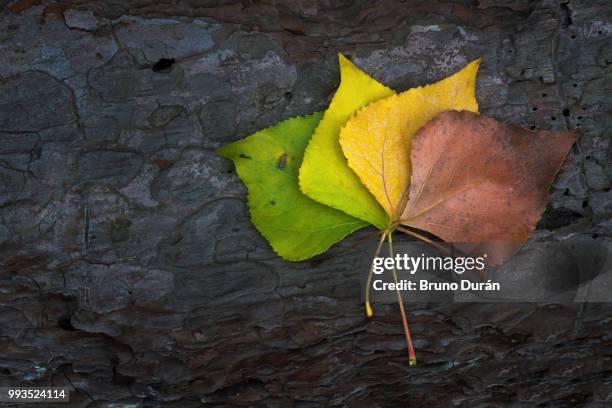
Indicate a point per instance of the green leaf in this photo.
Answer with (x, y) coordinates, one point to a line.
(268, 161)
(325, 175)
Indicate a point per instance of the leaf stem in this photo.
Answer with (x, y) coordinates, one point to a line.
(424, 239)
(411, 353)
(368, 307)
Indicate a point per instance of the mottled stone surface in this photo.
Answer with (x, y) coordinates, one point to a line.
(129, 268)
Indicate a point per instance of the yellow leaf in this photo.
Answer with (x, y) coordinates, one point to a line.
(325, 175)
(378, 139)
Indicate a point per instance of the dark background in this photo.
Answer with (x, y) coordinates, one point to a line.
(130, 270)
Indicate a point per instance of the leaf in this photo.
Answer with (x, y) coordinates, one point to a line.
(325, 175)
(378, 139)
(475, 179)
(268, 162)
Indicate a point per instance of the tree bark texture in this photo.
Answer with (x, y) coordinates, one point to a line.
(130, 270)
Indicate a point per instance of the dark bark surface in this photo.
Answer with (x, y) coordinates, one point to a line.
(129, 268)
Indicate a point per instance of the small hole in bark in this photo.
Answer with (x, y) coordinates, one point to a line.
(573, 36)
(579, 117)
(566, 192)
(230, 171)
(119, 379)
(532, 127)
(599, 32)
(584, 108)
(575, 85)
(566, 112)
(595, 235)
(544, 95)
(164, 65)
(577, 125)
(129, 292)
(588, 157)
(288, 95)
(64, 323)
(535, 108)
(36, 153)
(553, 118)
(585, 203)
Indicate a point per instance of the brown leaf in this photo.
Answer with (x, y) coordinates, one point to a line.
(475, 179)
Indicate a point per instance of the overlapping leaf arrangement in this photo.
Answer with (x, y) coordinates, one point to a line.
(421, 159)
(314, 179)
